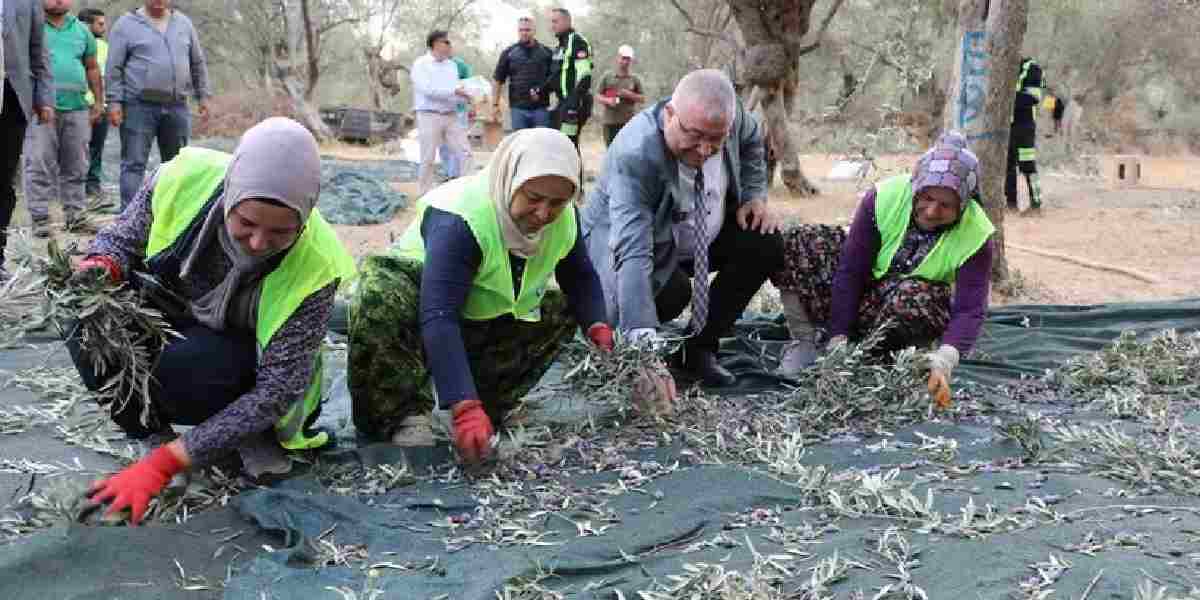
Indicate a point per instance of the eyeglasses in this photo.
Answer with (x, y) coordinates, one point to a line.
(696, 137)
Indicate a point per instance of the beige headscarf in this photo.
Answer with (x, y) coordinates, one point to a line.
(276, 159)
(526, 154)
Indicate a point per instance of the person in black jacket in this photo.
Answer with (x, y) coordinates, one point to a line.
(525, 66)
(570, 76)
(1022, 140)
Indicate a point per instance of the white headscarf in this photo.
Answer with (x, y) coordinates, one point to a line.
(526, 154)
(278, 160)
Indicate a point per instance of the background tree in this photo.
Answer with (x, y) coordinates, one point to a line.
(980, 104)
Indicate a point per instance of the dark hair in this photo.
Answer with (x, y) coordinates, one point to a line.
(562, 11)
(88, 15)
(435, 36)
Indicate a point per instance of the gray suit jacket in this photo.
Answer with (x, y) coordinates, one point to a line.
(26, 58)
(628, 221)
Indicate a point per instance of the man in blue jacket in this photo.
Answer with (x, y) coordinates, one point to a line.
(683, 194)
(155, 63)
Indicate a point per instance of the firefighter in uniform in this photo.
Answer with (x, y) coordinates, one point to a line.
(1022, 139)
(570, 77)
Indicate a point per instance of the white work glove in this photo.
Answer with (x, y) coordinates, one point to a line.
(646, 337)
(941, 364)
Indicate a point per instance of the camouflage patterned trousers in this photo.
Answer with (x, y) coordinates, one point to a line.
(918, 310)
(389, 378)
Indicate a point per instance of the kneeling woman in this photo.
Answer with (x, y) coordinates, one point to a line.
(464, 297)
(912, 238)
(255, 268)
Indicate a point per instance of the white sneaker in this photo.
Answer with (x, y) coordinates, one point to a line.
(415, 431)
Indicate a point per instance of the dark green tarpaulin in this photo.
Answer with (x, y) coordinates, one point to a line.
(693, 514)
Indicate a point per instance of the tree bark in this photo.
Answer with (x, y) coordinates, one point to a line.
(304, 111)
(774, 34)
(980, 103)
(312, 46)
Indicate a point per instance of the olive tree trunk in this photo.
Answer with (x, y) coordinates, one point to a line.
(774, 34)
(980, 100)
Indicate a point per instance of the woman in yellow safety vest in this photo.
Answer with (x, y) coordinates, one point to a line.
(464, 298)
(913, 237)
(238, 242)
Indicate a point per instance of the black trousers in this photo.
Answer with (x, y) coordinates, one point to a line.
(1021, 135)
(96, 154)
(742, 260)
(556, 121)
(195, 378)
(12, 138)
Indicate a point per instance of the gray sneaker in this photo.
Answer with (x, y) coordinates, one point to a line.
(797, 356)
(415, 431)
(261, 455)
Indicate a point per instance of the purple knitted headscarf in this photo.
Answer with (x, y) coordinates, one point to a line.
(948, 164)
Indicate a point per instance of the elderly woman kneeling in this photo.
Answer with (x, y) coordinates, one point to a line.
(913, 238)
(465, 297)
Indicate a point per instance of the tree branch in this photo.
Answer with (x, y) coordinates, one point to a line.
(326, 27)
(821, 32)
(878, 55)
(458, 13)
(691, 23)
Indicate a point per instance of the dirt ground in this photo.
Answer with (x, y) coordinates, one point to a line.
(1152, 228)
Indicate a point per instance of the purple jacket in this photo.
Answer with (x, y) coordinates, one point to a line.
(854, 274)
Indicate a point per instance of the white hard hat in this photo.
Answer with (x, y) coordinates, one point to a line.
(625, 50)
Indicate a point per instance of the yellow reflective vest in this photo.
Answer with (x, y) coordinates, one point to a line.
(317, 259)
(492, 294)
(893, 214)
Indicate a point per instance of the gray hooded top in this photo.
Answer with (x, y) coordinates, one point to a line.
(146, 65)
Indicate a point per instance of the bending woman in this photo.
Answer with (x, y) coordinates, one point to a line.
(913, 238)
(239, 241)
(465, 299)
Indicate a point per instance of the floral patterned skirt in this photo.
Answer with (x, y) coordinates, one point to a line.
(916, 310)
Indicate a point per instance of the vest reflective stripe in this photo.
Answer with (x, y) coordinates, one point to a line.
(893, 214)
(492, 293)
(583, 66)
(1036, 92)
(318, 258)
(1026, 154)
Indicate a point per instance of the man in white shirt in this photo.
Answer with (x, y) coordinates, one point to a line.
(436, 94)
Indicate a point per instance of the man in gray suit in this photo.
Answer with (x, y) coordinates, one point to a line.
(28, 94)
(683, 194)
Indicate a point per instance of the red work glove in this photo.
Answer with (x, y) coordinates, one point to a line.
(100, 261)
(472, 430)
(134, 487)
(601, 335)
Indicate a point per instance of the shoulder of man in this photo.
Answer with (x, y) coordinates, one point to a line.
(182, 19)
(645, 156)
(89, 40)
